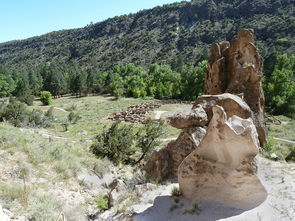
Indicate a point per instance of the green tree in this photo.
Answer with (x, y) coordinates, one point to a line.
(192, 80)
(7, 85)
(280, 87)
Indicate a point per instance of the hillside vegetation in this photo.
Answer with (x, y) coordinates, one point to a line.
(161, 35)
(158, 53)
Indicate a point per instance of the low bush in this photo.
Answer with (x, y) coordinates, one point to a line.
(16, 113)
(120, 142)
(102, 203)
(116, 143)
(46, 98)
(73, 117)
(27, 99)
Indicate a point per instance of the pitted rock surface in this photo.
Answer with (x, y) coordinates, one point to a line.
(196, 117)
(236, 68)
(224, 159)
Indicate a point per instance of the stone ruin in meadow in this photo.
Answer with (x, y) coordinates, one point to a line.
(213, 157)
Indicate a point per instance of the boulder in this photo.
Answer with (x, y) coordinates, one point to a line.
(196, 117)
(224, 158)
(236, 68)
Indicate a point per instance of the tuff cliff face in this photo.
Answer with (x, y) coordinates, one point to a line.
(236, 67)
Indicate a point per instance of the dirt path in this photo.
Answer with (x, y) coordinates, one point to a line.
(158, 114)
(58, 108)
(284, 140)
(46, 134)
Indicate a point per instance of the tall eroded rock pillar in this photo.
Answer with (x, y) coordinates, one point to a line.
(236, 67)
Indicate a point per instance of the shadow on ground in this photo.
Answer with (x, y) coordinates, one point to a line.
(165, 208)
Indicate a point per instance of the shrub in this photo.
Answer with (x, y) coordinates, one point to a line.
(46, 98)
(119, 142)
(116, 143)
(136, 93)
(49, 114)
(27, 99)
(147, 137)
(118, 92)
(73, 117)
(37, 118)
(14, 112)
(102, 203)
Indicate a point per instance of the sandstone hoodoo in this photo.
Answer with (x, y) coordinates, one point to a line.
(222, 133)
(224, 159)
(236, 67)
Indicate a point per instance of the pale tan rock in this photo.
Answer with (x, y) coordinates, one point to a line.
(3, 216)
(186, 143)
(232, 104)
(164, 163)
(236, 68)
(224, 160)
(157, 166)
(196, 117)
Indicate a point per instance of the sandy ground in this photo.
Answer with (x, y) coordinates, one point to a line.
(277, 177)
(158, 114)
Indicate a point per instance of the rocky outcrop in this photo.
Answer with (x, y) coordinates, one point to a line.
(224, 159)
(187, 142)
(223, 132)
(232, 104)
(236, 67)
(164, 163)
(197, 117)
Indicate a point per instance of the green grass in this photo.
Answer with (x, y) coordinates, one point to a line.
(94, 111)
(286, 130)
(27, 156)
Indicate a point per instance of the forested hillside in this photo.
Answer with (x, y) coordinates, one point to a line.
(161, 34)
(157, 53)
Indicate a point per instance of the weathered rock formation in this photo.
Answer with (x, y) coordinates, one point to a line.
(236, 68)
(222, 133)
(197, 117)
(224, 160)
(164, 163)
